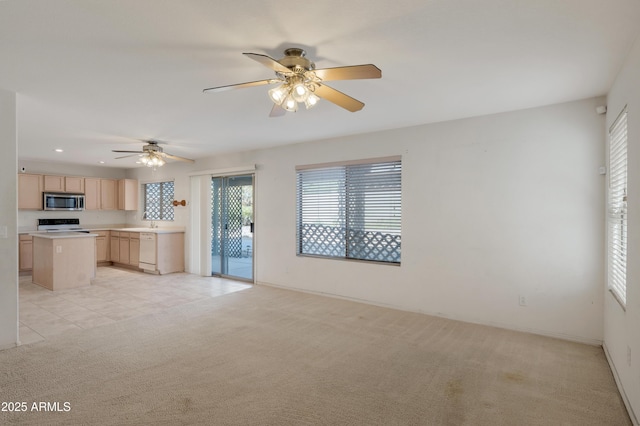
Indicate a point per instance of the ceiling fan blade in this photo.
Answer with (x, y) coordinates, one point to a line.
(353, 72)
(277, 111)
(175, 157)
(118, 150)
(240, 86)
(268, 62)
(127, 156)
(338, 98)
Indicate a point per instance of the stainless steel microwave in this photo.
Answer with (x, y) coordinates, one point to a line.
(59, 201)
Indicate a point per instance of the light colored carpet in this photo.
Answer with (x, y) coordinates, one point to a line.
(267, 356)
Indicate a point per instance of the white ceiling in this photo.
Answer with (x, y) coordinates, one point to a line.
(97, 75)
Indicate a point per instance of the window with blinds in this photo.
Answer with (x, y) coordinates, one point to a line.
(350, 210)
(617, 208)
(158, 201)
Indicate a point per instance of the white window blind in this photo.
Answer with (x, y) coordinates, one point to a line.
(351, 211)
(617, 208)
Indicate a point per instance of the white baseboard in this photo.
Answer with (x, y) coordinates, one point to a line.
(562, 336)
(9, 346)
(623, 394)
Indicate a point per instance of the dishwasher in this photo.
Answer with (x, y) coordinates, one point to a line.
(147, 251)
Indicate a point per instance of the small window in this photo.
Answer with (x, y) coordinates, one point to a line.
(350, 210)
(617, 209)
(158, 201)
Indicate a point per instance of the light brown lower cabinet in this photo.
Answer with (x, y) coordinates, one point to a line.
(134, 249)
(111, 246)
(115, 246)
(25, 252)
(125, 248)
(102, 246)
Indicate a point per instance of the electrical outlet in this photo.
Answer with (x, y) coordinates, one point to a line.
(58, 249)
(628, 356)
(523, 301)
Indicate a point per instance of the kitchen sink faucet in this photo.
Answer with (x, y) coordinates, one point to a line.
(152, 224)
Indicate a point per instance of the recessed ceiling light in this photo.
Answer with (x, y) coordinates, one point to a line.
(101, 162)
(58, 150)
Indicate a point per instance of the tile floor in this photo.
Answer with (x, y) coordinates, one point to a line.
(115, 295)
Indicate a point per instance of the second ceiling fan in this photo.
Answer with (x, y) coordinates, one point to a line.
(300, 82)
(152, 155)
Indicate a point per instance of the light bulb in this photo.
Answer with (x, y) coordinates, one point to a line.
(278, 94)
(300, 92)
(290, 104)
(311, 100)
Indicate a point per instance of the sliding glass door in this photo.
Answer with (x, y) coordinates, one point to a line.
(232, 226)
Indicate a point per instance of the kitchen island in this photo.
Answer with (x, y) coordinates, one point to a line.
(63, 260)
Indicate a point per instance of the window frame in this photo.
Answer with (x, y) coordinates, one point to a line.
(345, 194)
(166, 212)
(617, 214)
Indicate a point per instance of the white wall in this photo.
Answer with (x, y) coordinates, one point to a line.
(28, 219)
(177, 171)
(493, 208)
(622, 328)
(8, 218)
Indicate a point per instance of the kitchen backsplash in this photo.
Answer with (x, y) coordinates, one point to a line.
(28, 219)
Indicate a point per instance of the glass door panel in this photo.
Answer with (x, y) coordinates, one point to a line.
(232, 226)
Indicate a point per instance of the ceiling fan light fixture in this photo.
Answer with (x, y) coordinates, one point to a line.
(155, 161)
(278, 94)
(311, 101)
(300, 92)
(290, 104)
(151, 159)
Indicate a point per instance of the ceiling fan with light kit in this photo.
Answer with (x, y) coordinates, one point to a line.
(300, 82)
(152, 155)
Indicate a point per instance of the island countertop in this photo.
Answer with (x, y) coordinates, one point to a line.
(119, 228)
(55, 235)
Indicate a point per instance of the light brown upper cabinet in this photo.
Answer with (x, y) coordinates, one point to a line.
(54, 183)
(30, 191)
(64, 184)
(92, 193)
(101, 194)
(74, 184)
(127, 194)
(108, 194)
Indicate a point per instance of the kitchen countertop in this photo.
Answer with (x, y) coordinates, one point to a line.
(119, 228)
(55, 235)
(152, 230)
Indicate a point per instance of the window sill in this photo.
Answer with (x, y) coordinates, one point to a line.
(347, 259)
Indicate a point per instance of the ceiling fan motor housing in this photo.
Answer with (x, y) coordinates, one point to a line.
(294, 58)
(152, 146)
